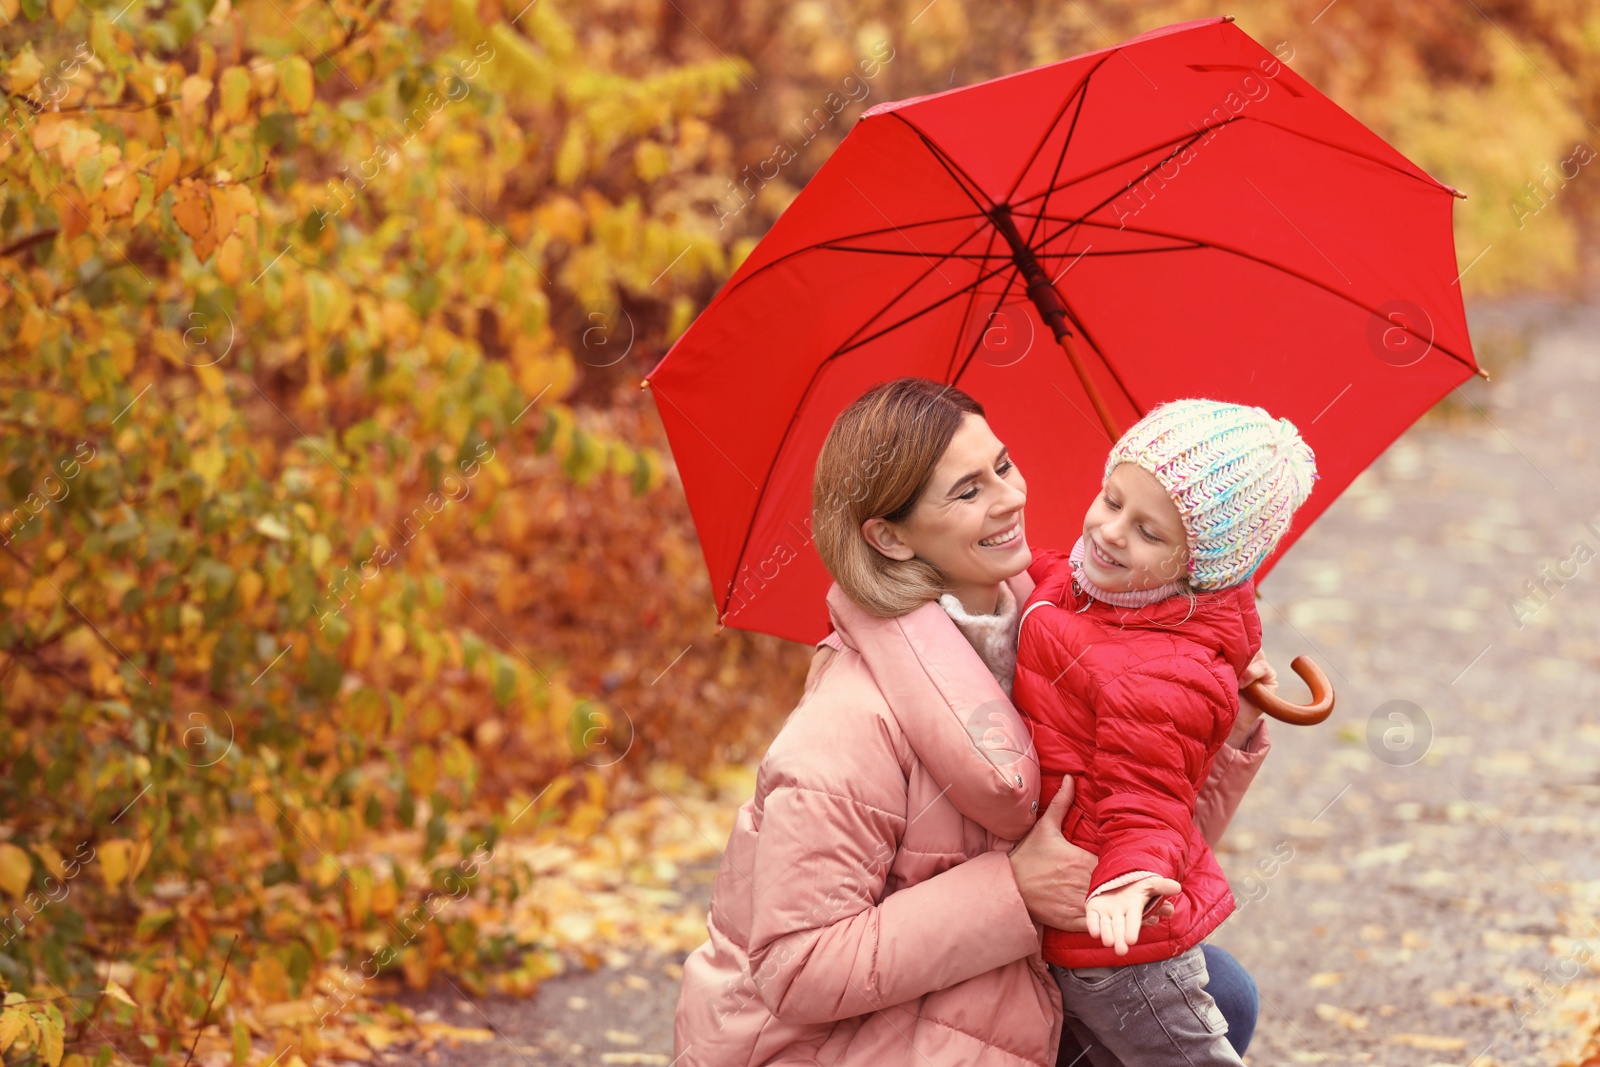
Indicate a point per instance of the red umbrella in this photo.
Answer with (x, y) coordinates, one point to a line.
(1183, 214)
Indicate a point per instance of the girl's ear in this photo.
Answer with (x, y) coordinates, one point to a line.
(884, 536)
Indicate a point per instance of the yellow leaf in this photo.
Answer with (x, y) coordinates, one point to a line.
(115, 857)
(52, 1038)
(12, 1021)
(424, 772)
(1347, 1019)
(378, 1036)
(265, 80)
(235, 93)
(16, 869)
(191, 209)
(385, 896)
(51, 859)
(230, 258)
(116, 992)
(209, 461)
(225, 205)
(456, 1033)
(250, 584)
(393, 639)
(167, 172)
(60, 9)
(297, 84)
(24, 71)
(572, 156)
(1429, 1042)
(122, 191)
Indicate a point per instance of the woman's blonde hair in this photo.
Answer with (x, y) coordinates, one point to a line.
(875, 463)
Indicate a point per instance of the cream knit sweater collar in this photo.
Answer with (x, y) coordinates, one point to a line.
(993, 637)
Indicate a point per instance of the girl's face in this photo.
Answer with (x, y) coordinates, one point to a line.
(967, 522)
(1133, 536)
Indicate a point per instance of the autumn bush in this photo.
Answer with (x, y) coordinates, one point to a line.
(339, 542)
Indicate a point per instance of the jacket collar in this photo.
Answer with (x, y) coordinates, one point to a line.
(1224, 620)
(955, 716)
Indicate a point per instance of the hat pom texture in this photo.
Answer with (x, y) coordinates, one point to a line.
(1236, 474)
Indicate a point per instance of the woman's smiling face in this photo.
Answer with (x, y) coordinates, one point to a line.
(968, 522)
(1133, 536)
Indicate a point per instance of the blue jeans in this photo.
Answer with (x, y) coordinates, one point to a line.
(1229, 984)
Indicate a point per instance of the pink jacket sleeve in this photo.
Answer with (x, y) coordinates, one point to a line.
(1231, 775)
(825, 944)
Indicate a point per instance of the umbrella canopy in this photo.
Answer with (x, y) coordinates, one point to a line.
(1192, 219)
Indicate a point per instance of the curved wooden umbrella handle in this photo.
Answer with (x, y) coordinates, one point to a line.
(1321, 705)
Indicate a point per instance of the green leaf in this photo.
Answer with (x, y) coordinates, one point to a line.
(235, 92)
(146, 201)
(297, 84)
(505, 682)
(472, 647)
(547, 432)
(320, 299)
(91, 172)
(154, 922)
(52, 1034)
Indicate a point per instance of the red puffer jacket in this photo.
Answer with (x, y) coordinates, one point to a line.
(1134, 703)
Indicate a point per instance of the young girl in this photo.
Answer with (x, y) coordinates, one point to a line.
(1128, 666)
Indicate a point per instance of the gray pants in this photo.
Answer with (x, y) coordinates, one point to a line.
(1146, 1014)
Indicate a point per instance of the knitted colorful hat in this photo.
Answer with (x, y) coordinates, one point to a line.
(1236, 473)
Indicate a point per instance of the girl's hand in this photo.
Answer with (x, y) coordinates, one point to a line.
(1258, 670)
(1115, 917)
(1053, 874)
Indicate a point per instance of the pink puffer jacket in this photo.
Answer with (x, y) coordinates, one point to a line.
(865, 911)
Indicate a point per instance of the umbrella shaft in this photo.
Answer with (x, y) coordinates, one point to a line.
(1040, 291)
(1054, 313)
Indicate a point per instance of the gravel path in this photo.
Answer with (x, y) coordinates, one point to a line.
(1418, 875)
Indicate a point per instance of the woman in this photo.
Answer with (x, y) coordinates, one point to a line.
(872, 907)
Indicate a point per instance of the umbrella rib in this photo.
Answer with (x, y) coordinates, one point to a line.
(1211, 130)
(1177, 149)
(918, 280)
(825, 242)
(1201, 244)
(956, 378)
(1083, 331)
(1086, 175)
(1083, 96)
(794, 417)
(1426, 179)
(970, 256)
(851, 343)
(966, 317)
(963, 180)
(1079, 93)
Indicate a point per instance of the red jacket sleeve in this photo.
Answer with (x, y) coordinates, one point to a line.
(1144, 765)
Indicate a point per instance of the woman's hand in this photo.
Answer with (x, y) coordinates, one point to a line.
(1259, 670)
(1053, 874)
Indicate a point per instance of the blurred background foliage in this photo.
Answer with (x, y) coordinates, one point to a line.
(339, 542)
